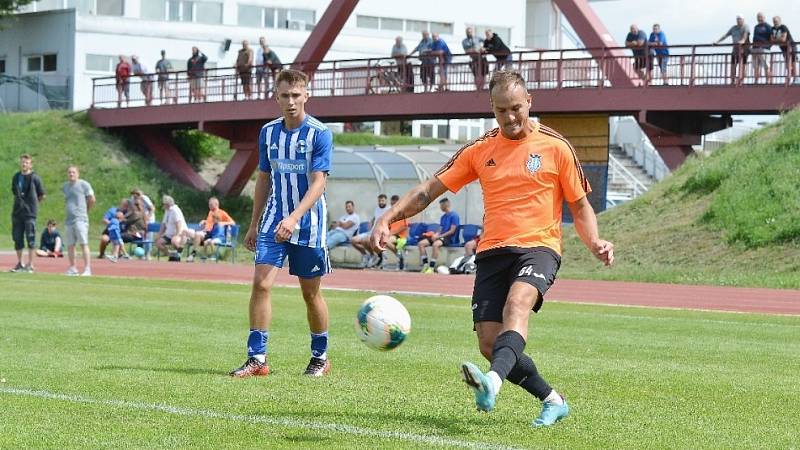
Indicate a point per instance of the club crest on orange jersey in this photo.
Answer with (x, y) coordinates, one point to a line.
(534, 163)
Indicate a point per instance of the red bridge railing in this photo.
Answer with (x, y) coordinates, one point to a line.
(686, 66)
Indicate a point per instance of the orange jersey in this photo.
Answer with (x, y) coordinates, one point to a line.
(399, 228)
(223, 217)
(524, 184)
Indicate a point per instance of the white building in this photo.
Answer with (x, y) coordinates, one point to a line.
(50, 52)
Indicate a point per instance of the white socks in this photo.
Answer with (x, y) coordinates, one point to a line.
(495, 380)
(554, 398)
(260, 358)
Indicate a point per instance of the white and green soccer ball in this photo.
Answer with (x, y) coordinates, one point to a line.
(382, 322)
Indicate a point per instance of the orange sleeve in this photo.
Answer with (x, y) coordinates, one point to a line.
(459, 170)
(209, 222)
(224, 217)
(570, 174)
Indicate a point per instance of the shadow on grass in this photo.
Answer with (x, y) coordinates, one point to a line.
(185, 371)
(443, 426)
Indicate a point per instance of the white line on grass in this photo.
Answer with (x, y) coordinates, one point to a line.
(272, 420)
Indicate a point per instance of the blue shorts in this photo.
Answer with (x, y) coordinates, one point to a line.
(304, 262)
(115, 237)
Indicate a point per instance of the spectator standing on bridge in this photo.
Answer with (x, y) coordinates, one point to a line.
(78, 200)
(636, 40)
(122, 73)
(404, 67)
(762, 37)
(444, 57)
(782, 37)
(261, 67)
(428, 67)
(28, 191)
(740, 35)
(660, 52)
(163, 68)
(519, 251)
(473, 46)
(270, 65)
(495, 46)
(146, 83)
(196, 73)
(244, 67)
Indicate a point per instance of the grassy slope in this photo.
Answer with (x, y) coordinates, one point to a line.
(666, 378)
(732, 218)
(56, 140)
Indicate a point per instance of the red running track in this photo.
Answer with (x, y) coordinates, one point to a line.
(716, 298)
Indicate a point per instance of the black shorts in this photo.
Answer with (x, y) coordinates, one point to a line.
(23, 228)
(498, 271)
(445, 241)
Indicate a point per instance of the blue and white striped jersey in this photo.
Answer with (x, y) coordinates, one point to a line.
(290, 156)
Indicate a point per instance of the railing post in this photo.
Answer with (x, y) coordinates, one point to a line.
(369, 74)
(559, 75)
(94, 88)
(691, 68)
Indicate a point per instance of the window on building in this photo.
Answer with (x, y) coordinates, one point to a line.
(367, 22)
(50, 63)
(416, 25)
(292, 18)
(45, 5)
(34, 64)
(391, 24)
(208, 12)
(110, 7)
(251, 16)
(99, 63)
(441, 28)
(426, 130)
(153, 9)
(443, 132)
(2, 66)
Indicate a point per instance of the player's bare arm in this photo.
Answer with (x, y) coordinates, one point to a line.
(416, 200)
(283, 231)
(586, 227)
(263, 185)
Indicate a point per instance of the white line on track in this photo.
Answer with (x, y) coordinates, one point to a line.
(287, 422)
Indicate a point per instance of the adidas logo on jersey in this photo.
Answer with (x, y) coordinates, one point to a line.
(490, 163)
(315, 269)
(273, 147)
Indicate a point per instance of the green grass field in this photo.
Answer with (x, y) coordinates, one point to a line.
(106, 362)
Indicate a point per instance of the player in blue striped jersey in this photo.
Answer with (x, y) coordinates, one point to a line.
(290, 220)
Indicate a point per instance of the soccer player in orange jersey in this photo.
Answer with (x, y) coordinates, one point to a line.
(526, 171)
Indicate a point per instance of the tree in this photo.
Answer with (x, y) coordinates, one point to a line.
(8, 7)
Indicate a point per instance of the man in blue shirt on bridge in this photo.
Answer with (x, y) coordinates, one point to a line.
(290, 220)
(658, 44)
(636, 40)
(442, 51)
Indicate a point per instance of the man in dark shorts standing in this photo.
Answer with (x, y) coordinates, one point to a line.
(28, 192)
(526, 171)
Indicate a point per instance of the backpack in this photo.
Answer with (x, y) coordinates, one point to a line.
(463, 265)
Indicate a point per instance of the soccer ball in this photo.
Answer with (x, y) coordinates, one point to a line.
(138, 252)
(443, 270)
(382, 322)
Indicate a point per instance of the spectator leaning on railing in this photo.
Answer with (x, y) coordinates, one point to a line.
(426, 70)
(122, 74)
(660, 52)
(636, 40)
(762, 34)
(783, 38)
(195, 72)
(473, 46)
(497, 48)
(146, 83)
(740, 35)
(442, 52)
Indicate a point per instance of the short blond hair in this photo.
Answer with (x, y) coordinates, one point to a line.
(506, 78)
(292, 77)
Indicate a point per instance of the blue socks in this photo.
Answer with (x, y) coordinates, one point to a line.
(319, 345)
(257, 343)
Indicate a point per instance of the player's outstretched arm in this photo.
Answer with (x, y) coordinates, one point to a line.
(411, 204)
(263, 184)
(586, 226)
